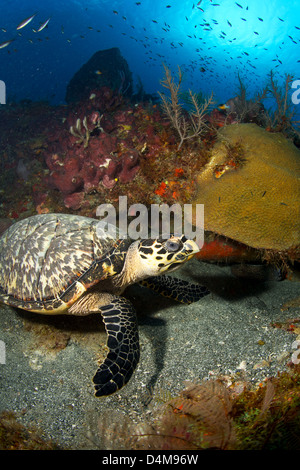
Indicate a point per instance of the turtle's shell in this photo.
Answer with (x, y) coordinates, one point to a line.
(48, 261)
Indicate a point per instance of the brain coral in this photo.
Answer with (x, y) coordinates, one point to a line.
(254, 199)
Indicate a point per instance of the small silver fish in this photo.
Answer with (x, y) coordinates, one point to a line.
(26, 21)
(43, 25)
(6, 43)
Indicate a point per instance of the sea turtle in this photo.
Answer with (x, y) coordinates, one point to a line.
(67, 264)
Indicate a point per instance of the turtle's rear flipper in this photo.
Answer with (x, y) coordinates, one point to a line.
(123, 343)
(176, 289)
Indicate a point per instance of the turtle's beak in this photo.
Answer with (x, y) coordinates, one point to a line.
(190, 249)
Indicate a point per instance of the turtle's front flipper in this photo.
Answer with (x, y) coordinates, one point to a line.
(176, 289)
(123, 343)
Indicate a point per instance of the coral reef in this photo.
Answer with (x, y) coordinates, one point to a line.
(269, 418)
(89, 148)
(103, 145)
(200, 418)
(255, 196)
(91, 151)
(118, 148)
(226, 413)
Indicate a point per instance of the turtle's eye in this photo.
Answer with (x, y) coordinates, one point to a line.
(172, 245)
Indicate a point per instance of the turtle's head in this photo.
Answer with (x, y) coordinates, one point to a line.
(152, 257)
(158, 256)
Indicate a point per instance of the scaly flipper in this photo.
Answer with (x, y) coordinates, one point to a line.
(123, 343)
(176, 289)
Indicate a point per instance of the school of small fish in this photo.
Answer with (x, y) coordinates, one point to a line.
(201, 25)
(22, 25)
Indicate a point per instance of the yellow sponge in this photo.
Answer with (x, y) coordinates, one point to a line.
(253, 197)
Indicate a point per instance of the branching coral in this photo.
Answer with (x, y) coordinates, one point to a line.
(282, 117)
(279, 118)
(83, 135)
(190, 124)
(247, 110)
(82, 131)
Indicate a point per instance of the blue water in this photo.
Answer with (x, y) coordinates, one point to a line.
(212, 46)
